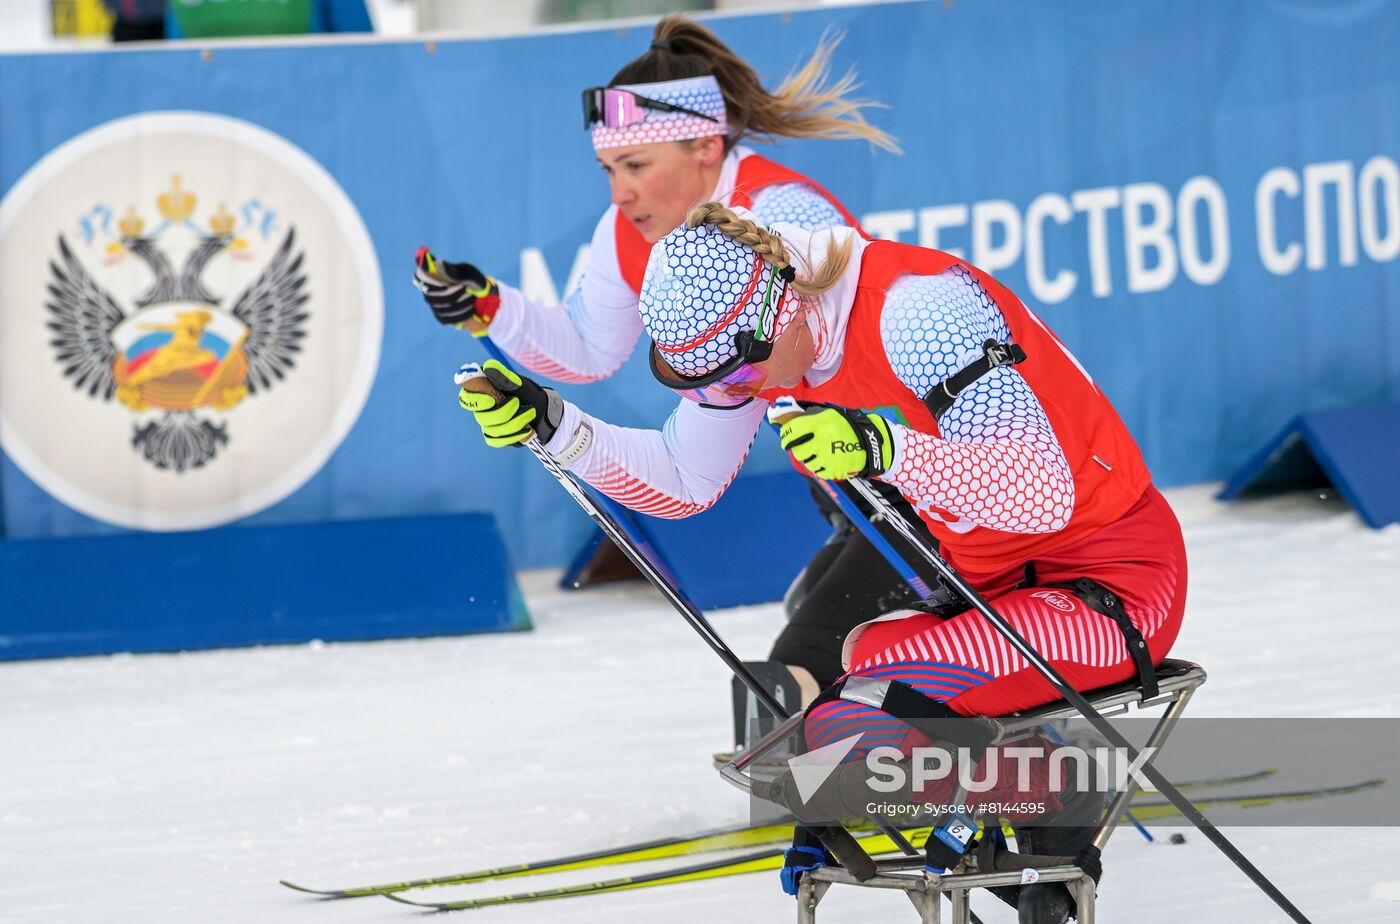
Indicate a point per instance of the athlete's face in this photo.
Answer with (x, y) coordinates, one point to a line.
(656, 185)
(793, 354)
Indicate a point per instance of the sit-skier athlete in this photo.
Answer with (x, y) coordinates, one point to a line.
(1027, 478)
(668, 132)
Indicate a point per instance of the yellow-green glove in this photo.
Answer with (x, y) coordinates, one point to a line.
(835, 443)
(525, 406)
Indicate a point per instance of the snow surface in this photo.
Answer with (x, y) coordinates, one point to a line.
(180, 788)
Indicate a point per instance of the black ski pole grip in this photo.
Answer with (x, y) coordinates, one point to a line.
(847, 852)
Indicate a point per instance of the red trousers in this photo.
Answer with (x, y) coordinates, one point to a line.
(966, 663)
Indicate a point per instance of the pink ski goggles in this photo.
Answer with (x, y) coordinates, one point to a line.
(733, 384)
(616, 108)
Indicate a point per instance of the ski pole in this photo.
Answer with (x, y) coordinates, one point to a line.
(881, 544)
(838, 840)
(1127, 813)
(785, 407)
(903, 568)
(431, 265)
(872, 535)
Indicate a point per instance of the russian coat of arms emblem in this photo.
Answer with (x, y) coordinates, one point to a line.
(191, 313)
(179, 347)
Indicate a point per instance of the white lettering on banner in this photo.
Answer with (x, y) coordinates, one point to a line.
(1141, 235)
(985, 217)
(1197, 190)
(537, 282)
(888, 226)
(934, 219)
(1380, 185)
(1279, 180)
(1048, 291)
(1095, 203)
(1315, 176)
(1161, 235)
(1164, 236)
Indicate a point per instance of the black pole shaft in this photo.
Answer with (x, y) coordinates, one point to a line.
(688, 610)
(836, 839)
(979, 603)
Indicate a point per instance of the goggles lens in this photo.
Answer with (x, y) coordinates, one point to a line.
(734, 383)
(613, 108)
(621, 108)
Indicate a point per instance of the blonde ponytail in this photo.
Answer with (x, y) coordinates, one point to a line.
(808, 104)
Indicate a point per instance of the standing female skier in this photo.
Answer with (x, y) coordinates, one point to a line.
(667, 132)
(935, 379)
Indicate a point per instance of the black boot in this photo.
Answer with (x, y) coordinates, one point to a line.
(1051, 902)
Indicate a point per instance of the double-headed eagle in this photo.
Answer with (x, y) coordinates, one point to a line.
(177, 350)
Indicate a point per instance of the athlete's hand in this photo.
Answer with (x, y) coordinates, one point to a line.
(519, 407)
(835, 443)
(460, 295)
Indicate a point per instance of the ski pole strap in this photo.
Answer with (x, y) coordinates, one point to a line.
(928, 715)
(1102, 600)
(941, 396)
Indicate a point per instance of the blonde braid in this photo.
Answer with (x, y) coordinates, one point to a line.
(770, 246)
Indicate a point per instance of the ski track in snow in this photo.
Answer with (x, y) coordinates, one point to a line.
(180, 788)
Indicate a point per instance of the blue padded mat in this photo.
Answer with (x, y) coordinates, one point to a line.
(1356, 450)
(339, 581)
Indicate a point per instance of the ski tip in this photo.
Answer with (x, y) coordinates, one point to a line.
(394, 897)
(300, 888)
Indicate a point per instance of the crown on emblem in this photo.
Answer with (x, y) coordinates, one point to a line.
(131, 224)
(221, 222)
(176, 204)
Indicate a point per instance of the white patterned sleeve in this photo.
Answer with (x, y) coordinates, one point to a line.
(675, 472)
(588, 337)
(998, 462)
(798, 204)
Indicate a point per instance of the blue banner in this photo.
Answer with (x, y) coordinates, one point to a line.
(1203, 200)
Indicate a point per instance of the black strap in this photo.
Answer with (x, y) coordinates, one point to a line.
(1102, 600)
(941, 396)
(930, 716)
(943, 602)
(802, 836)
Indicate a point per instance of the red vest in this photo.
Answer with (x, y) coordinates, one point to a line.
(754, 174)
(1109, 473)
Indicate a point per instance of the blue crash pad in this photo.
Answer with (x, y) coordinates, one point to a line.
(256, 585)
(1355, 450)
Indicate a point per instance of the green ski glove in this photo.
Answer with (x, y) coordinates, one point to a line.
(835, 443)
(525, 406)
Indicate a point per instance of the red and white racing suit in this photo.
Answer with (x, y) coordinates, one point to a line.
(1031, 465)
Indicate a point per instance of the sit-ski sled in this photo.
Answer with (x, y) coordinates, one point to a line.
(990, 865)
(925, 889)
